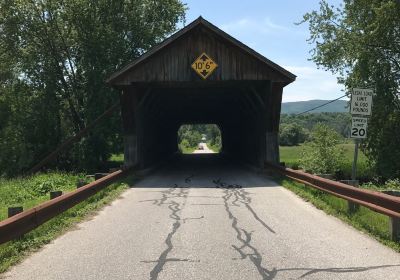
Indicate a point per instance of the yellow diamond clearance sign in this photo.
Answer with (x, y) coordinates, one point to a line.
(204, 66)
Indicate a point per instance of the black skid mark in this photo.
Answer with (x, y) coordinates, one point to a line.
(189, 179)
(242, 197)
(239, 196)
(198, 218)
(175, 208)
(251, 210)
(244, 237)
(219, 183)
(164, 196)
(173, 260)
(162, 259)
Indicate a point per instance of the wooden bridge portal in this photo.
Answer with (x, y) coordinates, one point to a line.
(201, 75)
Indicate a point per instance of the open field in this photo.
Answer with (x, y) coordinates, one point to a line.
(291, 156)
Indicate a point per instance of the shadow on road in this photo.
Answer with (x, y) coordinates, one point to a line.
(200, 166)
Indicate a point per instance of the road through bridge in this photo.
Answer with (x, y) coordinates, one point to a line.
(202, 217)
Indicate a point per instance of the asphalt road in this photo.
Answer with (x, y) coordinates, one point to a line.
(204, 150)
(208, 219)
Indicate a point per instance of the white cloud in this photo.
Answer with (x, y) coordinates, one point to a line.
(311, 83)
(264, 26)
(266, 37)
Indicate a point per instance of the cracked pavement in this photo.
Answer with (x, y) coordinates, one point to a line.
(205, 218)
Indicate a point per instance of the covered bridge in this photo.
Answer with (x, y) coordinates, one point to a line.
(201, 75)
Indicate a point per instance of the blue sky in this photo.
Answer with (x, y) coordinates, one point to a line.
(267, 26)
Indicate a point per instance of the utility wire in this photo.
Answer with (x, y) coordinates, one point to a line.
(322, 104)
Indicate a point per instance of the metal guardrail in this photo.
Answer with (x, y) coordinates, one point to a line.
(28, 220)
(376, 201)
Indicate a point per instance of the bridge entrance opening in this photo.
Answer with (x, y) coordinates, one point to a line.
(199, 139)
(201, 75)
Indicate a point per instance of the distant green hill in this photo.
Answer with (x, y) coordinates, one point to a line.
(338, 106)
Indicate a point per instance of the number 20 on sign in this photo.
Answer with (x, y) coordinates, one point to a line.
(359, 127)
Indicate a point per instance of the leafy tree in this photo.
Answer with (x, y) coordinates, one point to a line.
(339, 121)
(359, 41)
(54, 58)
(322, 153)
(216, 143)
(188, 138)
(291, 134)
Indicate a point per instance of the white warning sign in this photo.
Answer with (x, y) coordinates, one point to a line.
(361, 101)
(359, 127)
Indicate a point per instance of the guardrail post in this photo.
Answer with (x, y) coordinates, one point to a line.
(55, 194)
(98, 176)
(80, 183)
(351, 206)
(394, 223)
(12, 211)
(394, 229)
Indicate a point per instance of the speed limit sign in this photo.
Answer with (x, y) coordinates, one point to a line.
(358, 127)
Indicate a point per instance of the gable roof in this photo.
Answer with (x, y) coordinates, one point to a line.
(200, 21)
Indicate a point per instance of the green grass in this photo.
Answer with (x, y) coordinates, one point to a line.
(214, 148)
(365, 220)
(187, 150)
(349, 153)
(115, 161)
(118, 158)
(29, 192)
(291, 156)
(24, 192)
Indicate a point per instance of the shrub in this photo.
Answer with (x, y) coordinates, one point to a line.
(322, 154)
(393, 184)
(292, 135)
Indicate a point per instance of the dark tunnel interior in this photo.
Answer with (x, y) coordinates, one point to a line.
(157, 114)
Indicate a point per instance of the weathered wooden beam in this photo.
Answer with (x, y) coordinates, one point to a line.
(156, 108)
(192, 85)
(260, 101)
(143, 100)
(129, 103)
(241, 107)
(248, 107)
(273, 102)
(65, 145)
(251, 102)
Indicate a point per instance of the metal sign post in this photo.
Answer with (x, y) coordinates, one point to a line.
(361, 105)
(354, 171)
